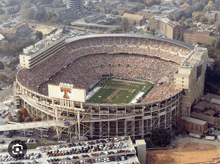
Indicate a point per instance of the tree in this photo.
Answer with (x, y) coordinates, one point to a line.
(1, 65)
(125, 24)
(180, 37)
(179, 125)
(4, 16)
(196, 15)
(217, 25)
(36, 119)
(152, 31)
(114, 12)
(180, 22)
(24, 112)
(39, 35)
(16, 9)
(3, 78)
(160, 137)
(10, 117)
(177, 35)
(58, 2)
(210, 3)
(203, 19)
(151, 2)
(27, 119)
(183, 18)
(185, 5)
(217, 44)
(100, 32)
(209, 6)
(213, 43)
(19, 116)
(134, 23)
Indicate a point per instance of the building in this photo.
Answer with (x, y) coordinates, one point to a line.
(193, 82)
(169, 28)
(1, 38)
(202, 37)
(213, 15)
(75, 4)
(165, 62)
(195, 125)
(135, 19)
(16, 30)
(176, 15)
(42, 50)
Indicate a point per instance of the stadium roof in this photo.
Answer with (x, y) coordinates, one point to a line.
(189, 46)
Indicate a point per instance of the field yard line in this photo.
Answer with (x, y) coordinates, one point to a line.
(137, 96)
(94, 91)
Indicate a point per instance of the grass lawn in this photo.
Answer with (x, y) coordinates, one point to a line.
(122, 96)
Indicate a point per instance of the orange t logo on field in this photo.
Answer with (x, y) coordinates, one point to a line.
(65, 90)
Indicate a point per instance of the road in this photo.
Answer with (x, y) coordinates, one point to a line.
(31, 125)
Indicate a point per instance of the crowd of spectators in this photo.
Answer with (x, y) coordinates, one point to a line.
(84, 61)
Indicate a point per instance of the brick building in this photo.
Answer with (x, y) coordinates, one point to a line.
(16, 31)
(167, 27)
(195, 125)
(204, 37)
(215, 15)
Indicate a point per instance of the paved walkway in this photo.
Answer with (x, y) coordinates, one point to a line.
(180, 140)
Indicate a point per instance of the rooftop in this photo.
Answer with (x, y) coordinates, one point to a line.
(187, 45)
(193, 120)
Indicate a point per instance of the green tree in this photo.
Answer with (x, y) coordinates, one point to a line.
(181, 37)
(160, 137)
(177, 35)
(213, 43)
(19, 116)
(39, 35)
(152, 31)
(125, 24)
(203, 19)
(196, 15)
(183, 18)
(12, 64)
(134, 23)
(212, 21)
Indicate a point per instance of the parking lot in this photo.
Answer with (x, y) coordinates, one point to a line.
(117, 150)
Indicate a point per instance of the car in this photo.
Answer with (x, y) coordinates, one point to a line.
(2, 142)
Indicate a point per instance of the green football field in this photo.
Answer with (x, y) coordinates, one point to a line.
(124, 91)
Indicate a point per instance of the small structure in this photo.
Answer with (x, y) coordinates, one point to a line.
(141, 151)
(195, 125)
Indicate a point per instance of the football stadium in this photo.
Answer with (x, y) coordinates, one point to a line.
(110, 84)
